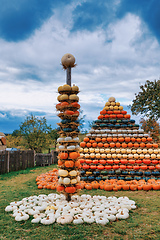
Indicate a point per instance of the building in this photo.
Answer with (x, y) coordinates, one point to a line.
(2, 141)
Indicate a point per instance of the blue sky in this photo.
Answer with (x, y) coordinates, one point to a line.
(116, 44)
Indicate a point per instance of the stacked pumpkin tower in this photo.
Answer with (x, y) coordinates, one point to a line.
(68, 142)
(115, 148)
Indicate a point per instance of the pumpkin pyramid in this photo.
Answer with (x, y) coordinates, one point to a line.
(115, 148)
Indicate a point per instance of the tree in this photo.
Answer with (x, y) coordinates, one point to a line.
(81, 121)
(36, 133)
(14, 141)
(152, 127)
(147, 101)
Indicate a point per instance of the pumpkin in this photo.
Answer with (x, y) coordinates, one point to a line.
(68, 60)
(62, 173)
(68, 112)
(69, 164)
(82, 144)
(88, 144)
(74, 97)
(121, 139)
(63, 155)
(63, 97)
(75, 88)
(60, 188)
(86, 139)
(70, 189)
(98, 139)
(73, 155)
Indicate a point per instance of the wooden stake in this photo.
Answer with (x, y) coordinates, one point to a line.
(69, 76)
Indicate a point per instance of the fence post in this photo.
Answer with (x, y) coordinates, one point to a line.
(8, 158)
(34, 158)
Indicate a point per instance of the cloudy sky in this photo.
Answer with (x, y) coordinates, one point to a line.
(115, 43)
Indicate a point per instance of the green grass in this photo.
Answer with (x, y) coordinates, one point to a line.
(143, 222)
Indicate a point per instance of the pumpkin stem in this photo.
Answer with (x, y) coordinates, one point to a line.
(68, 197)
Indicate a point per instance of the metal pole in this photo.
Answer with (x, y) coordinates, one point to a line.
(69, 76)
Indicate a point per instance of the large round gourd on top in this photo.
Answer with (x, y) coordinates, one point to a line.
(68, 60)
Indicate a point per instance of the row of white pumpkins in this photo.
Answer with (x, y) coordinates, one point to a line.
(63, 143)
(116, 131)
(116, 135)
(122, 150)
(114, 155)
(47, 209)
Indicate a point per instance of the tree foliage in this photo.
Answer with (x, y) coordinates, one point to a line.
(147, 101)
(152, 127)
(36, 133)
(15, 141)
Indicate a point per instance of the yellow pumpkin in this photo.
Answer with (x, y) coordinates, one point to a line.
(66, 87)
(74, 97)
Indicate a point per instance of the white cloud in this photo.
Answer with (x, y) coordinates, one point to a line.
(30, 71)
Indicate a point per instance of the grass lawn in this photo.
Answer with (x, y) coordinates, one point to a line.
(143, 223)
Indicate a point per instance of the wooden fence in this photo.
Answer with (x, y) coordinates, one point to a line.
(20, 160)
(46, 159)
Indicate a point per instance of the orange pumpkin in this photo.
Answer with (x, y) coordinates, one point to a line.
(112, 144)
(155, 145)
(103, 112)
(73, 155)
(124, 145)
(118, 145)
(75, 104)
(63, 155)
(109, 139)
(130, 145)
(136, 145)
(60, 163)
(144, 139)
(88, 144)
(86, 139)
(106, 145)
(115, 139)
(104, 139)
(64, 104)
(60, 188)
(121, 139)
(95, 185)
(98, 139)
(68, 112)
(82, 144)
(102, 161)
(88, 186)
(138, 140)
(142, 145)
(108, 187)
(70, 189)
(100, 144)
(149, 139)
(148, 145)
(94, 144)
(77, 163)
(69, 164)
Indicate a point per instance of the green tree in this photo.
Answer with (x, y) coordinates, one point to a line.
(152, 127)
(36, 132)
(147, 101)
(81, 121)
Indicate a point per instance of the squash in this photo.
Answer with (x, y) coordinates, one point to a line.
(74, 97)
(68, 60)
